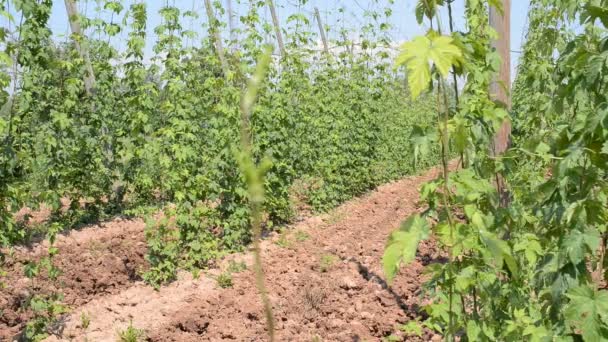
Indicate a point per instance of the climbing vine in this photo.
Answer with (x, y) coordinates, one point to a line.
(534, 269)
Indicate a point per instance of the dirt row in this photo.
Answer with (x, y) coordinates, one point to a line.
(96, 261)
(324, 277)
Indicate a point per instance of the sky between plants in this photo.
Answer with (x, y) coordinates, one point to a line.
(336, 14)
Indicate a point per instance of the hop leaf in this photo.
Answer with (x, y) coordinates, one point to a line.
(402, 245)
(577, 244)
(588, 312)
(422, 139)
(418, 53)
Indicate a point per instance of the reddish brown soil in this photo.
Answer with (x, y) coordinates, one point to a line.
(96, 261)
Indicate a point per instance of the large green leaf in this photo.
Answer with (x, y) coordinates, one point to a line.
(587, 312)
(596, 12)
(418, 53)
(403, 243)
(499, 252)
(427, 8)
(423, 140)
(577, 244)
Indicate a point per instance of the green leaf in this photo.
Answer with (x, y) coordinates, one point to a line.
(577, 244)
(418, 53)
(605, 147)
(587, 312)
(536, 333)
(500, 251)
(530, 246)
(595, 66)
(598, 12)
(473, 330)
(422, 139)
(412, 328)
(465, 278)
(402, 245)
(30, 270)
(426, 8)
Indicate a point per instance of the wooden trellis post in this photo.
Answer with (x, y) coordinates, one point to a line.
(74, 18)
(277, 26)
(231, 25)
(321, 30)
(216, 37)
(500, 87)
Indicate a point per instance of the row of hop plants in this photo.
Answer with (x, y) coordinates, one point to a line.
(528, 263)
(161, 132)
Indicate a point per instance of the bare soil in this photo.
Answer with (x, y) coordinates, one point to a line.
(96, 261)
(324, 276)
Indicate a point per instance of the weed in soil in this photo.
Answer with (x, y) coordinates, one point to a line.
(85, 320)
(132, 334)
(224, 280)
(326, 262)
(236, 266)
(283, 240)
(301, 235)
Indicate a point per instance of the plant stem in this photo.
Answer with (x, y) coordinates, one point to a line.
(444, 162)
(475, 310)
(600, 263)
(254, 177)
(451, 22)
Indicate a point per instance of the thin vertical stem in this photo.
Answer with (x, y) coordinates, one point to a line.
(89, 77)
(443, 123)
(451, 22)
(11, 104)
(255, 183)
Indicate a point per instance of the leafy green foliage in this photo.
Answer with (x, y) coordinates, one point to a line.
(85, 320)
(403, 243)
(46, 310)
(412, 328)
(534, 268)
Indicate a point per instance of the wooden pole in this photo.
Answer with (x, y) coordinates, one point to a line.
(231, 24)
(500, 87)
(74, 18)
(277, 26)
(89, 77)
(214, 32)
(349, 48)
(321, 30)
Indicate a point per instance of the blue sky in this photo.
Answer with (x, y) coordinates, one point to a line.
(352, 17)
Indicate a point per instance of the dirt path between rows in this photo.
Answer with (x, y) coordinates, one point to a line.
(324, 277)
